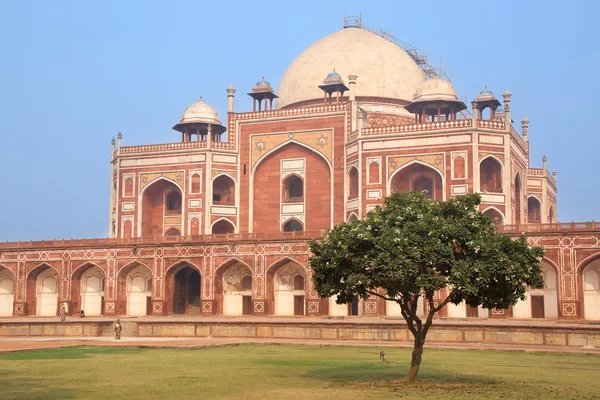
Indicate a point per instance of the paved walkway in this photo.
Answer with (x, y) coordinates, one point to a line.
(8, 344)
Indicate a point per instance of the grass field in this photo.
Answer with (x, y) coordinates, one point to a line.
(292, 372)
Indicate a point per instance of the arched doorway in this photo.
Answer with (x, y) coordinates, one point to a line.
(161, 202)
(223, 226)
(418, 178)
(490, 175)
(46, 290)
(134, 290)
(87, 289)
(534, 210)
(540, 303)
(234, 283)
(224, 191)
(288, 283)
(292, 225)
(591, 290)
(495, 215)
(92, 291)
(7, 292)
(183, 289)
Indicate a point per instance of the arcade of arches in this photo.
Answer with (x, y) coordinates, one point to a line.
(275, 282)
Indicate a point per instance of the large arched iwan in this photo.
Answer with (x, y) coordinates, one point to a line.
(317, 197)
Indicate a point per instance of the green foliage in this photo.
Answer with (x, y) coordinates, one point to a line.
(414, 246)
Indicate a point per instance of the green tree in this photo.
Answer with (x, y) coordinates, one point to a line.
(413, 247)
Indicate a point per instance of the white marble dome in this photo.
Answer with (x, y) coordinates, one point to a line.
(383, 68)
(200, 112)
(435, 89)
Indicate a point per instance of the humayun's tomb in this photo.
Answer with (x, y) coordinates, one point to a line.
(218, 220)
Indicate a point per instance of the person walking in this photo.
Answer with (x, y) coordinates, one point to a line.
(118, 330)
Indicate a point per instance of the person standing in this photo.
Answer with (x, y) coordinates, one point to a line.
(63, 312)
(118, 330)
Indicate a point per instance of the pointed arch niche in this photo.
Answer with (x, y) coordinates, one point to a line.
(265, 215)
(418, 177)
(161, 204)
(490, 175)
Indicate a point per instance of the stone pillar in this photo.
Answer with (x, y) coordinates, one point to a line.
(525, 129)
(544, 160)
(119, 140)
(230, 92)
(352, 84)
(508, 120)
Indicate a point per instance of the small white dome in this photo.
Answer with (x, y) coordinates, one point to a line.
(200, 112)
(435, 89)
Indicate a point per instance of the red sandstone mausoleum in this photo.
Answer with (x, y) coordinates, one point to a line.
(217, 221)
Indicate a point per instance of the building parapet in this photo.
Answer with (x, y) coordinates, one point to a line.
(289, 112)
(491, 124)
(540, 172)
(177, 240)
(558, 227)
(150, 148)
(460, 123)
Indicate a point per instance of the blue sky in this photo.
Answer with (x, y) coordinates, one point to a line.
(74, 73)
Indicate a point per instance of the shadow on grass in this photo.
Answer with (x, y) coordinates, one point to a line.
(389, 372)
(67, 353)
(32, 388)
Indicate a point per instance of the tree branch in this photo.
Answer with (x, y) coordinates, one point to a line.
(380, 295)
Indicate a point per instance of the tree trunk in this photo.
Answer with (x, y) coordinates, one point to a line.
(415, 361)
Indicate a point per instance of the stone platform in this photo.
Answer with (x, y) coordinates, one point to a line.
(469, 332)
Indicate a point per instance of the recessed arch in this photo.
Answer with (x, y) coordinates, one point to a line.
(43, 264)
(183, 288)
(293, 225)
(438, 193)
(233, 261)
(143, 205)
(495, 215)
(4, 267)
(534, 210)
(588, 274)
(282, 145)
(285, 298)
(87, 288)
(223, 189)
(7, 291)
(352, 217)
(282, 261)
(233, 287)
(293, 188)
(265, 216)
(219, 227)
(183, 262)
(133, 264)
(490, 174)
(518, 198)
(42, 289)
(353, 189)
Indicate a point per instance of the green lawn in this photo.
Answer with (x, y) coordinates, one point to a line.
(292, 372)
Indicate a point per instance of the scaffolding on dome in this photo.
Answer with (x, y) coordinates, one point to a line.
(355, 21)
